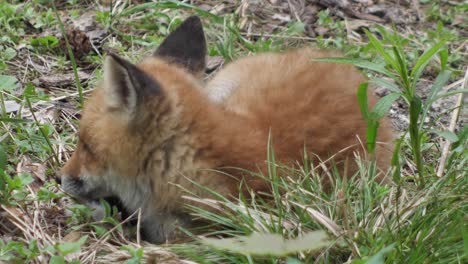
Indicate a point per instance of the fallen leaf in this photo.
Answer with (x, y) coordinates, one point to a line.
(59, 80)
(72, 237)
(271, 244)
(11, 106)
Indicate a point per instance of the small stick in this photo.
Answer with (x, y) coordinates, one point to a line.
(139, 227)
(453, 123)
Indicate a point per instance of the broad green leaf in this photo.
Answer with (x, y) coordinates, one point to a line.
(57, 260)
(47, 41)
(379, 257)
(290, 260)
(269, 244)
(424, 59)
(9, 53)
(25, 178)
(380, 68)
(99, 230)
(296, 28)
(68, 248)
(384, 104)
(8, 83)
(448, 135)
(133, 260)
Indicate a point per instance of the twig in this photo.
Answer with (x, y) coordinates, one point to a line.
(139, 227)
(70, 54)
(453, 123)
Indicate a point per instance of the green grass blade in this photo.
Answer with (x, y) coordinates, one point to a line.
(459, 147)
(70, 54)
(371, 119)
(381, 51)
(387, 84)
(165, 5)
(371, 134)
(415, 111)
(403, 70)
(3, 158)
(448, 135)
(448, 94)
(464, 231)
(14, 120)
(362, 100)
(424, 60)
(384, 104)
(444, 56)
(380, 68)
(396, 160)
(440, 81)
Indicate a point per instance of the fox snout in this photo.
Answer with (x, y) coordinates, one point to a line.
(72, 185)
(84, 188)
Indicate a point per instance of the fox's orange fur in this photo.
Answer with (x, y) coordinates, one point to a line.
(150, 129)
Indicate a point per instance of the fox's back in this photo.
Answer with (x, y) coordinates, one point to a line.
(303, 102)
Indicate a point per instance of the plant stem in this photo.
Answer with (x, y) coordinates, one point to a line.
(71, 55)
(415, 108)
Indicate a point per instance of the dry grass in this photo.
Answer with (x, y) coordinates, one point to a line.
(38, 137)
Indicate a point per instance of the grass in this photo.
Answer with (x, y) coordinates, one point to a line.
(419, 218)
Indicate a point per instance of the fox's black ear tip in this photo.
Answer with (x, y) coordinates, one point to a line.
(193, 21)
(112, 55)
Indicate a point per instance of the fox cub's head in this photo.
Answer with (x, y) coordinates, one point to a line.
(131, 106)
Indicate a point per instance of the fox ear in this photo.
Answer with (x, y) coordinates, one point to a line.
(186, 46)
(125, 85)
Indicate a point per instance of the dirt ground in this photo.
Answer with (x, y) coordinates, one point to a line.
(258, 20)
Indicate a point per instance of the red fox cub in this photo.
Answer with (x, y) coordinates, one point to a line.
(151, 130)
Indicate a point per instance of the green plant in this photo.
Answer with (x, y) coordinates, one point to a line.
(364, 221)
(61, 250)
(135, 253)
(395, 65)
